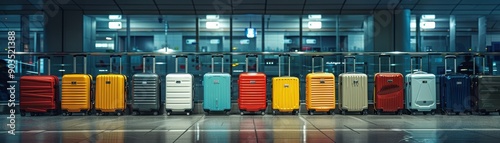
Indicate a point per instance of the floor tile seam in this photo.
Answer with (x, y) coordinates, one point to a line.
(255, 130)
(304, 119)
(199, 119)
(476, 132)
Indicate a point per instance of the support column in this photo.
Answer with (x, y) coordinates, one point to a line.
(25, 39)
(481, 34)
(402, 31)
(452, 33)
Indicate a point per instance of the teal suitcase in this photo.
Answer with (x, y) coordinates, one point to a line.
(217, 90)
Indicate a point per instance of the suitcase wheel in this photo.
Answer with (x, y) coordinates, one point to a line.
(155, 113)
(331, 112)
(433, 112)
(64, 114)
(23, 113)
(206, 113)
(168, 113)
(118, 113)
(295, 112)
(227, 112)
(134, 113)
(274, 112)
(262, 113)
(241, 113)
(364, 112)
(400, 112)
(72, 114)
(188, 113)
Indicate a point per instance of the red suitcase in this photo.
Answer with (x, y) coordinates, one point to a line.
(252, 90)
(39, 93)
(389, 91)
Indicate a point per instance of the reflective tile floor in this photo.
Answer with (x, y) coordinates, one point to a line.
(254, 128)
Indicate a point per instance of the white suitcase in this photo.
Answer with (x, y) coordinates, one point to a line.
(353, 90)
(179, 90)
(420, 91)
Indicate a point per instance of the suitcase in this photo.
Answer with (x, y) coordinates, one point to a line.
(485, 92)
(76, 91)
(388, 91)
(179, 90)
(454, 91)
(111, 92)
(217, 90)
(285, 91)
(39, 94)
(420, 91)
(320, 91)
(353, 90)
(252, 90)
(146, 90)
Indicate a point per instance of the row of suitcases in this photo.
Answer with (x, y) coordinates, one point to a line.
(39, 93)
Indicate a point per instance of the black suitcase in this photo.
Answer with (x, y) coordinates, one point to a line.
(486, 93)
(146, 90)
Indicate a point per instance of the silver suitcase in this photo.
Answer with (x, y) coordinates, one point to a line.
(353, 90)
(146, 90)
(420, 91)
(179, 90)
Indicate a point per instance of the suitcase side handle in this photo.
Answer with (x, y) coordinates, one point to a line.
(380, 62)
(177, 62)
(279, 64)
(256, 62)
(345, 63)
(474, 63)
(144, 63)
(111, 63)
(446, 63)
(84, 63)
(322, 61)
(48, 62)
(222, 62)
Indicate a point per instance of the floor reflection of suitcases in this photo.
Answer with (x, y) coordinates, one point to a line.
(455, 91)
(485, 92)
(179, 90)
(320, 91)
(389, 91)
(285, 92)
(252, 90)
(217, 90)
(76, 92)
(420, 91)
(39, 94)
(111, 92)
(146, 90)
(353, 90)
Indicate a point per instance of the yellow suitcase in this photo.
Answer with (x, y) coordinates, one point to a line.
(111, 92)
(285, 91)
(320, 91)
(76, 91)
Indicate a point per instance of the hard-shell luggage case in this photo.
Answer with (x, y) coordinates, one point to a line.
(353, 90)
(146, 90)
(252, 90)
(285, 92)
(76, 91)
(455, 91)
(320, 91)
(485, 92)
(111, 92)
(420, 91)
(179, 90)
(39, 94)
(217, 90)
(388, 91)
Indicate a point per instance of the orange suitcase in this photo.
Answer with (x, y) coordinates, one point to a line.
(76, 91)
(111, 92)
(320, 91)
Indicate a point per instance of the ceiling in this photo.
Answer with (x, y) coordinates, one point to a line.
(221, 7)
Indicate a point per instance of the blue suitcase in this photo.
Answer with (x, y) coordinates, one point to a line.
(217, 90)
(455, 91)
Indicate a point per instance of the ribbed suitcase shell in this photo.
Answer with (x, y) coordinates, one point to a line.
(389, 92)
(217, 92)
(179, 92)
(146, 93)
(455, 93)
(111, 93)
(286, 94)
(353, 92)
(486, 93)
(76, 93)
(421, 92)
(39, 94)
(252, 92)
(320, 92)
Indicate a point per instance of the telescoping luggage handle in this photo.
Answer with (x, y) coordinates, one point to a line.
(222, 62)
(177, 63)
(111, 63)
(256, 62)
(380, 62)
(84, 63)
(345, 63)
(454, 62)
(279, 64)
(144, 63)
(411, 62)
(474, 64)
(48, 62)
(322, 61)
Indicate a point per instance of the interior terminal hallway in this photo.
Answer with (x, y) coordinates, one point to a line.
(254, 128)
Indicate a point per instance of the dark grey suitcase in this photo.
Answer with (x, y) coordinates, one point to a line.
(146, 90)
(486, 93)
